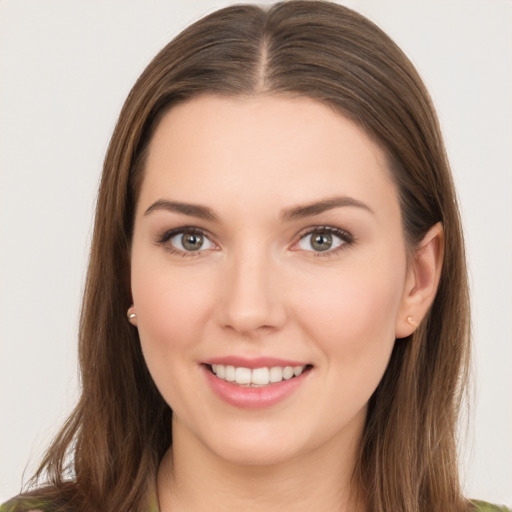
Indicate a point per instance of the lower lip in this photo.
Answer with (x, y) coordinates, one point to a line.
(254, 397)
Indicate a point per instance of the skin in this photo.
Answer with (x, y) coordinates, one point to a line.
(257, 288)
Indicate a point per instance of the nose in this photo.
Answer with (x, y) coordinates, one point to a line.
(251, 300)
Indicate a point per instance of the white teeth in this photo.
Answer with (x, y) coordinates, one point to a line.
(243, 376)
(276, 374)
(221, 371)
(257, 376)
(230, 373)
(288, 372)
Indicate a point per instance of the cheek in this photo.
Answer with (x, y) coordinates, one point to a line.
(351, 312)
(349, 317)
(171, 304)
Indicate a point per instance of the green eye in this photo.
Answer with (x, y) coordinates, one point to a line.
(321, 240)
(190, 241)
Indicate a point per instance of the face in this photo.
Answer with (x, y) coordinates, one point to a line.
(268, 273)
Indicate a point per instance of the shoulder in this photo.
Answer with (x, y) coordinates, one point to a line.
(483, 506)
(16, 506)
(46, 498)
(26, 505)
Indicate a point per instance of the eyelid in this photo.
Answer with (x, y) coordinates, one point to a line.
(167, 235)
(347, 238)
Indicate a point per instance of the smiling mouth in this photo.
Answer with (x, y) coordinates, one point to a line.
(256, 377)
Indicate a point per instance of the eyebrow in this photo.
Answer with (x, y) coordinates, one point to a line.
(289, 214)
(194, 210)
(317, 207)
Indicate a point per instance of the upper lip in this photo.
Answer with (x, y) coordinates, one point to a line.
(253, 362)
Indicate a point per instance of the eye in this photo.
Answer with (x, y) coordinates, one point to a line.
(324, 239)
(186, 241)
(190, 241)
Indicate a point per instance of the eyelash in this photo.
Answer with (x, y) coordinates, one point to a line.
(168, 235)
(346, 238)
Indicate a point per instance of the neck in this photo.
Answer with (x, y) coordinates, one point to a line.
(192, 478)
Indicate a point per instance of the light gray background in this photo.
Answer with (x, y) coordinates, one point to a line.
(65, 69)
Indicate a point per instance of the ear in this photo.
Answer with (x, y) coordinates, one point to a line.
(422, 280)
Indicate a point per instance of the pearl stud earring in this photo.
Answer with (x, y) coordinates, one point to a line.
(411, 321)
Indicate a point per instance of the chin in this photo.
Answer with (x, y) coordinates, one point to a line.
(262, 454)
(254, 444)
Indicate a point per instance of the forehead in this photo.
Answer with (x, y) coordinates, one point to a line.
(261, 150)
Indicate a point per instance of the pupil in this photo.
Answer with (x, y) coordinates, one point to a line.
(322, 242)
(192, 242)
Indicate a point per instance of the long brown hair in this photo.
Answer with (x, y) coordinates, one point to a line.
(112, 443)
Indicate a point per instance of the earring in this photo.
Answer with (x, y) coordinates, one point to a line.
(130, 313)
(411, 321)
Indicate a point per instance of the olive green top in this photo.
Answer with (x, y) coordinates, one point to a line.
(480, 506)
(38, 505)
(34, 505)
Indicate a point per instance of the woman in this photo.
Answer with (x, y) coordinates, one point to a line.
(276, 298)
